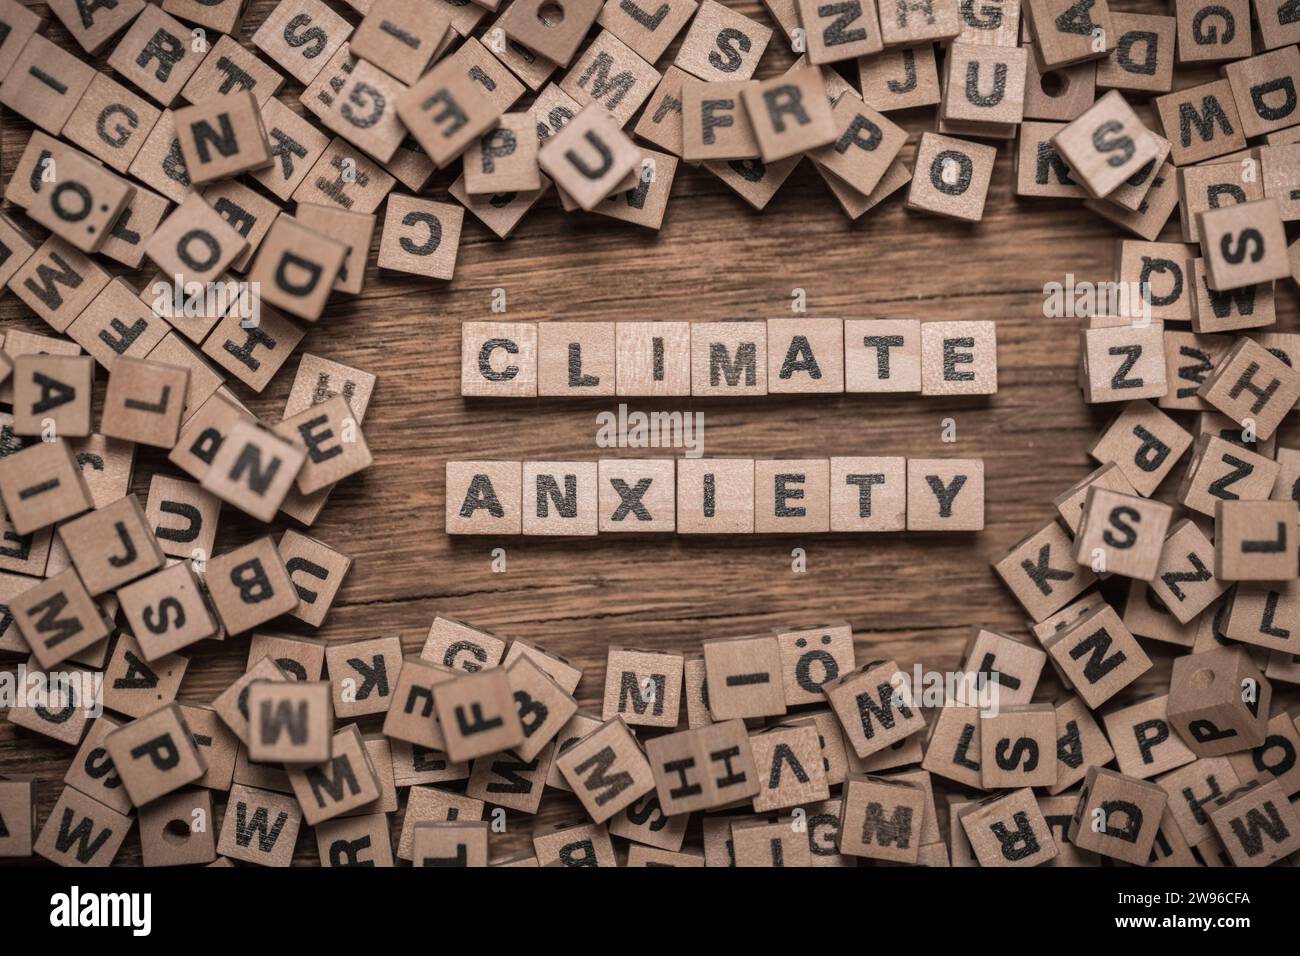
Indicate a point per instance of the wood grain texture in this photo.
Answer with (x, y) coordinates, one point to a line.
(914, 598)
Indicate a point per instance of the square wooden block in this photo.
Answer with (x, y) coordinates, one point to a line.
(457, 646)
(1098, 655)
(117, 324)
(58, 282)
(222, 137)
(103, 830)
(648, 34)
(560, 498)
(144, 402)
(1065, 32)
(661, 120)
(41, 485)
(722, 44)
(1212, 32)
(959, 358)
(318, 379)
(335, 446)
(253, 469)
(230, 68)
(951, 177)
(868, 494)
(178, 830)
(167, 611)
(477, 714)
(157, 55)
(363, 675)
(421, 237)
(249, 586)
(1121, 533)
(607, 770)
(18, 816)
(874, 705)
(1244, 244)
(1106, 145)
(1018, 747)
(715, 496)
(317, 571)
(401, 37)
(410, 715)
(637, 495)
(608, 56)
(945, 494)
(840, 33)
(112, 545)
(728, 358)
(1201, 122)
(1117, 816)
(1124, 362)
(1219, 701)
(744, 677)
(790, 114)
(1236, 817)
(45, 83)
(790, 767)
(344, 783)
(252, 343)
(259, 827)
(912, 26)
(344, 177)
(882, 819)
(358, 101)
(498, 359)
(52, 395)
(805, 355)
(84, 201)
(295, 146)
(1145, 745)
(643, 687)
(792, 496)
(575, 359)
(300, 37)
(483, 497)
(544, 706)
(504, 159)
(1223, 470)
(652, 358)
(899, 78)
(1252, 386)
(451, 844)
(715, 121)
(290, 722)
(1144, 442)
(865, 146)
(296, 268)
(1008, 829)
(1255, 540)
(590, 157)
(446, 111)
(882, 355)
(985, 84)
(812, 658)
(1143, 58)
(154, 755)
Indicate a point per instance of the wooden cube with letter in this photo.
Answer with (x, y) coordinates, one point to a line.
(1219, 701)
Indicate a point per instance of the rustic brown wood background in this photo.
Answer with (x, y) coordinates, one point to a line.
(914, 598)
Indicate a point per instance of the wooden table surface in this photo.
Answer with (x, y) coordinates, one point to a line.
(911, 597)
